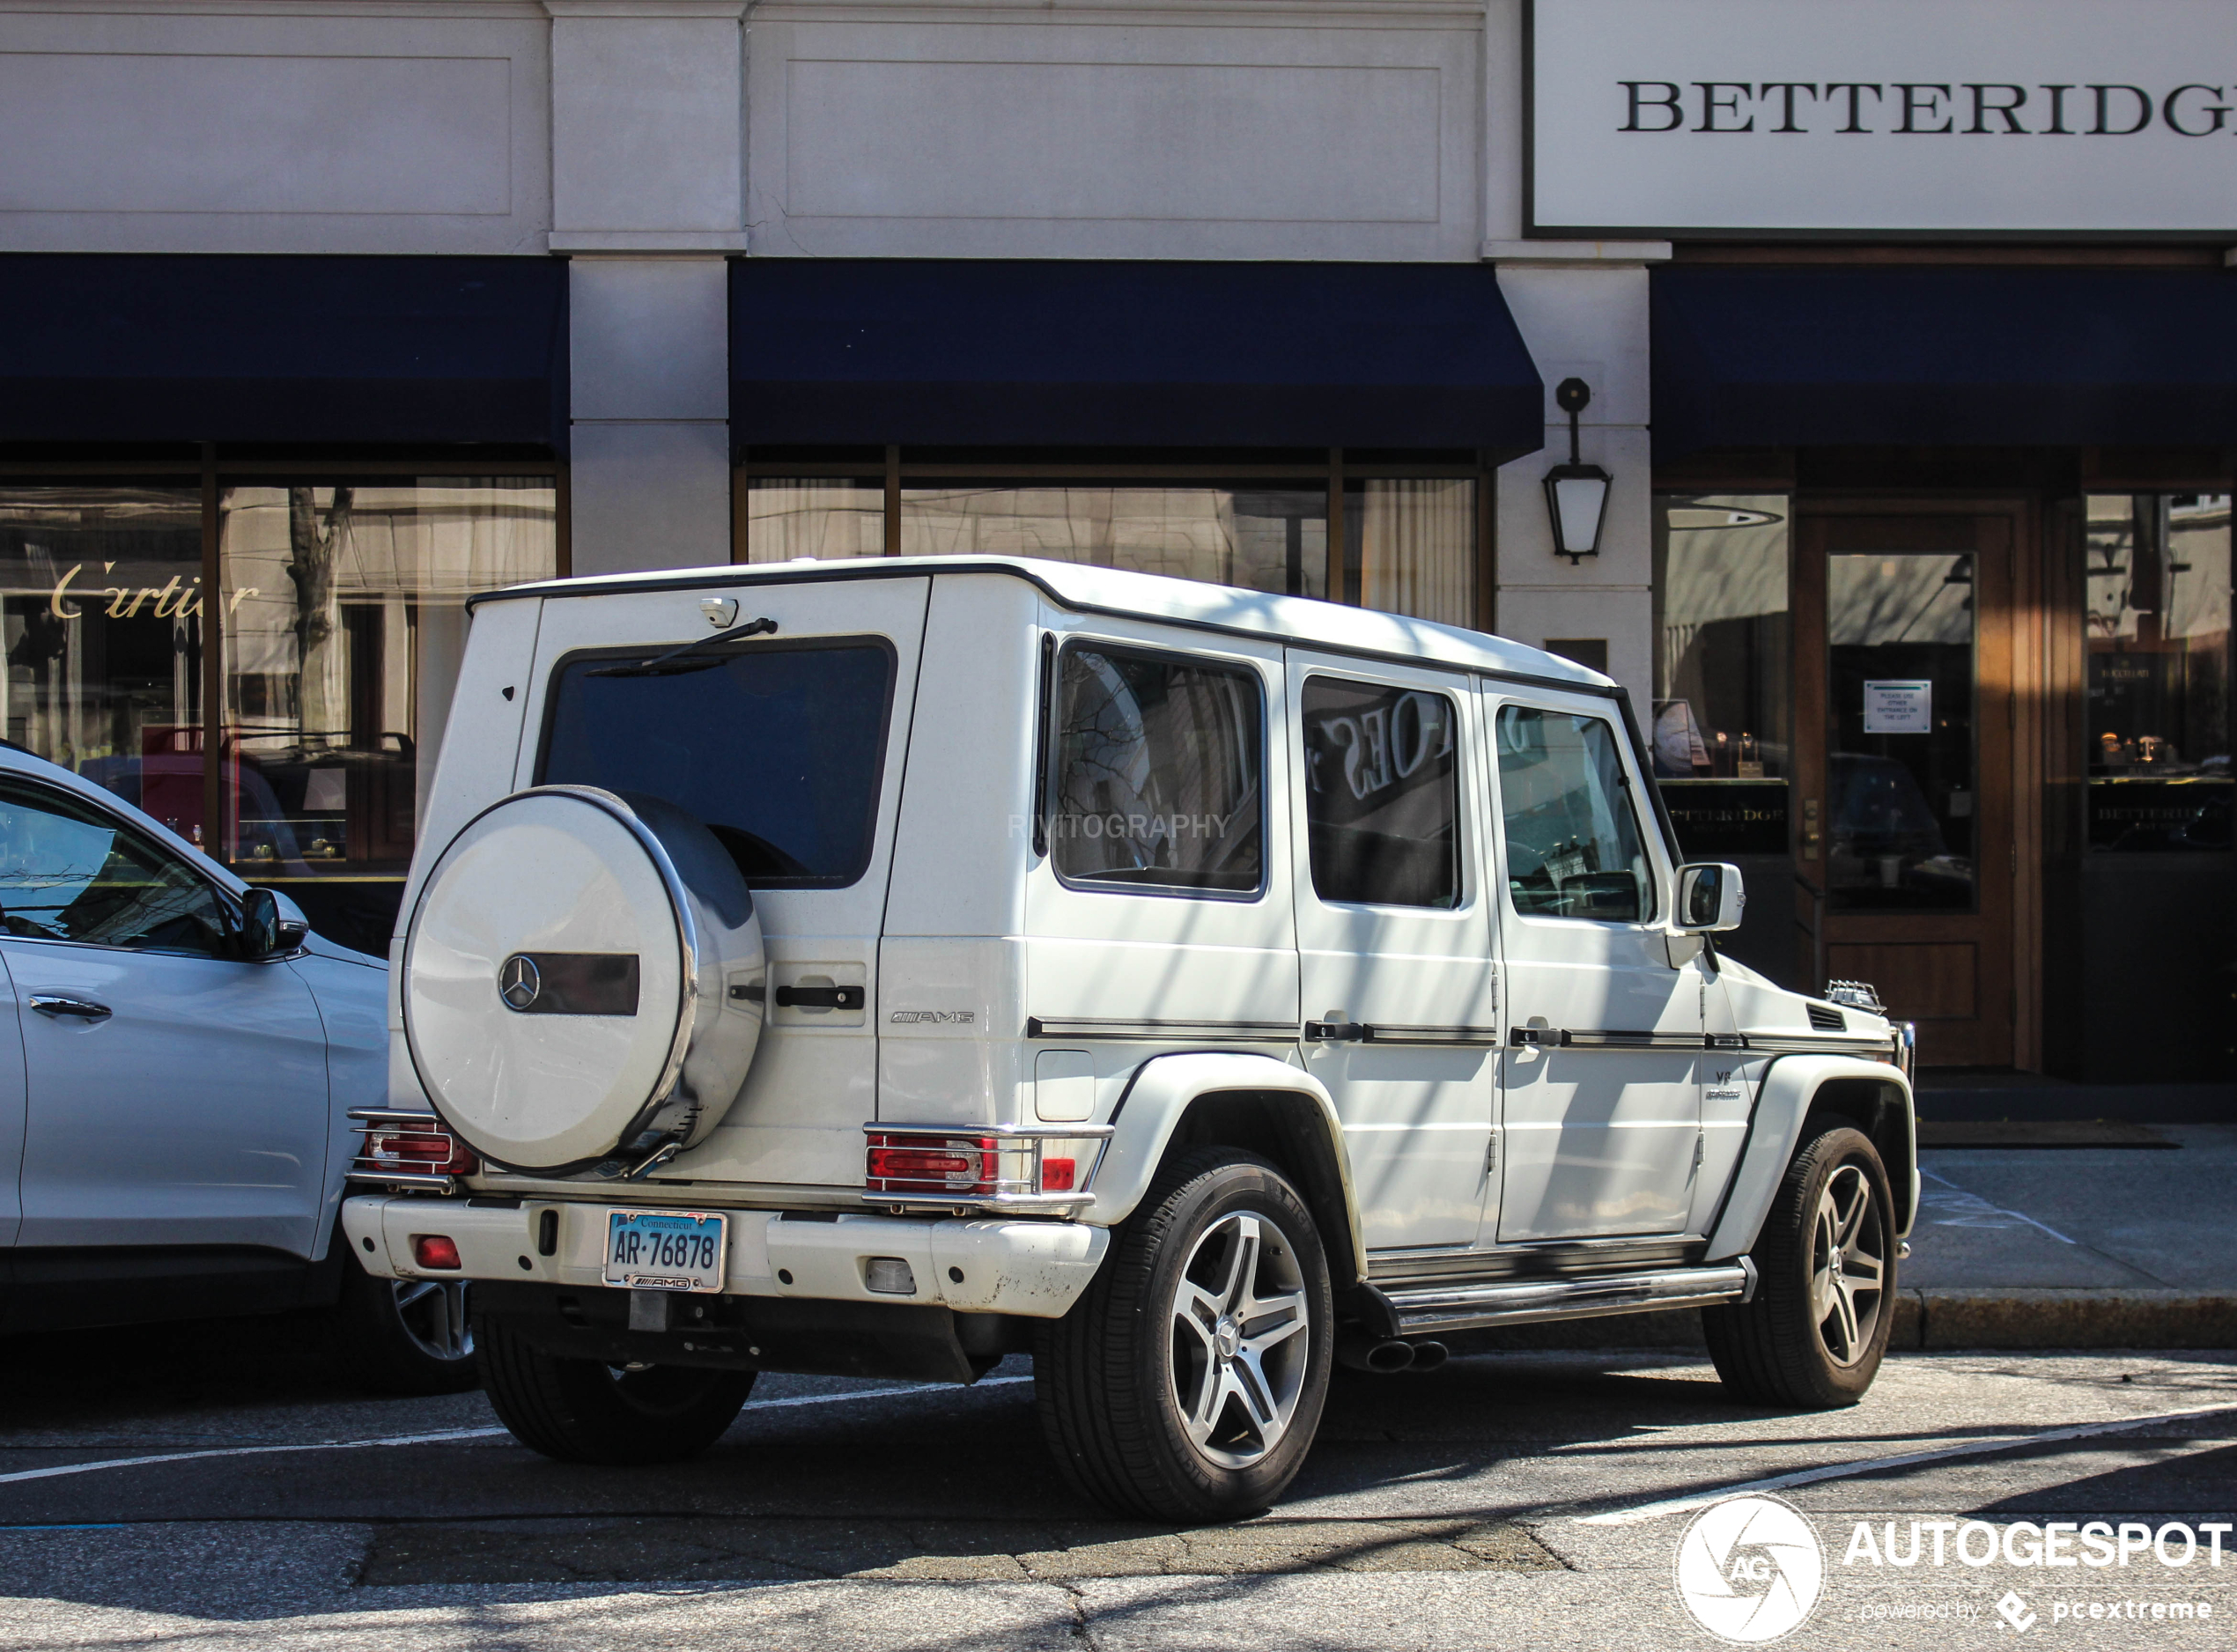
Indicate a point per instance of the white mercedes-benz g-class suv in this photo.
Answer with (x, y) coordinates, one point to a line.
(880, 967)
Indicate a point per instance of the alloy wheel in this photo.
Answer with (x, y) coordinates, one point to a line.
(1848, 1266)
(433, 1315)
(1240, 1351)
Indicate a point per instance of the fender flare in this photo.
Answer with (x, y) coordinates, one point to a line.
(1784, 1095)
(1158, 1097)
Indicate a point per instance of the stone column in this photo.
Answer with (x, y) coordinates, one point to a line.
(1582, 311)
(647, 117)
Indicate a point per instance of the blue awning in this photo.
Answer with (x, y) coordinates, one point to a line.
(1047, 353)
(98, 348)
(1749, 358)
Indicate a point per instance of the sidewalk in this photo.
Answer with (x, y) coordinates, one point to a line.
(2037, 1248)
(2077, 1248)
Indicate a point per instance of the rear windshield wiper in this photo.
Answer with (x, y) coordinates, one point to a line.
(689, 656)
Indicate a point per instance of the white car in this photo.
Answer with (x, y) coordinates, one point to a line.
(880, 967)
(178, 1060)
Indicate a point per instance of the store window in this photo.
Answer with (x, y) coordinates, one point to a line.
(2157, 730)
(101, 626)
(1408, 547)
(344, 623)
(1263, 539)
(1722, 740)
(1406, 543)
(822, 517)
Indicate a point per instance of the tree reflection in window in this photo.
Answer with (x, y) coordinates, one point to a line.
(1157, 771)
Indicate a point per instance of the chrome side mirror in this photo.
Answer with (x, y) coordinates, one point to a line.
(1710, 898)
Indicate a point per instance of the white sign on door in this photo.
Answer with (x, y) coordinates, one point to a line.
(1659, 118)
(1901, 706)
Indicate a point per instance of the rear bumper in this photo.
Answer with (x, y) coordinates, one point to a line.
(1036, 1269)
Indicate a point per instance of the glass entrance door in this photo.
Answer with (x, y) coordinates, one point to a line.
(1905, 848)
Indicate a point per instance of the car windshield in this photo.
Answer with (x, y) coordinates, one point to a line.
(777, 748)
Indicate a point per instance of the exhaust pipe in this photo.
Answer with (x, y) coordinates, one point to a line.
(1427, 1356)
(1384, 1356)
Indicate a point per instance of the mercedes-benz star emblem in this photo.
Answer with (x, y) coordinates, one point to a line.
(517, 982)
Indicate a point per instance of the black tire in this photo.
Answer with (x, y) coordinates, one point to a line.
(403, 1336)
(1151, 1341)
(1796, 1345)
(584, 1410)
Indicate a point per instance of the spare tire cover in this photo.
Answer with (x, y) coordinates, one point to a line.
(578, 981)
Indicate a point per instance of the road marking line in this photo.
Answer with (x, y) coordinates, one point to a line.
(1981, 1207)
(1871, 1465)
(446, 1435)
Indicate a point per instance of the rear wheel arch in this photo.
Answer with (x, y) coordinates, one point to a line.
(1292, 1130)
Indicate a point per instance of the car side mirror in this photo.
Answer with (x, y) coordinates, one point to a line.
(294, 927)
(270, 923)
(258, 924)
(1710, 898)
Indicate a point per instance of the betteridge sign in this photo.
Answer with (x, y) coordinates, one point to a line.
(1953, 117)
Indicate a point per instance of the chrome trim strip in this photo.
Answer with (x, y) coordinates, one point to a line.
(1382, 1033)
(1522, 1302)
(404, 1179)
(1798, 1044)
(1600, 1039)
(1248, 1032)
(400, 1115)
(1023, 1132)
(1021, 1204)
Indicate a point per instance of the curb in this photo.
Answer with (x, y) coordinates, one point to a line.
(1935, 1319)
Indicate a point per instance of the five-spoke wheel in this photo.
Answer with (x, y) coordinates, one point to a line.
(1186, 1382)
(1240, 1353)
(1848, 1266)
(1814, 1332)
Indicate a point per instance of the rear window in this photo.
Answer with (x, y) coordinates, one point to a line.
(779, 748)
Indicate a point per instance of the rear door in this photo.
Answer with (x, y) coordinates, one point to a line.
(789, 746)
(1394, 944)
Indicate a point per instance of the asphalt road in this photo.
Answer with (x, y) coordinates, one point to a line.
(215, 1485)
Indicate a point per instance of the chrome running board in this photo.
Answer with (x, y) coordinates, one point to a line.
(1428, 1310)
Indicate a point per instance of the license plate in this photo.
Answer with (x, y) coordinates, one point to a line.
(665, 1250)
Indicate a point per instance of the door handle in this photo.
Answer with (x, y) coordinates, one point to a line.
(819, 997)
(1337, 1032)
(78, 1009)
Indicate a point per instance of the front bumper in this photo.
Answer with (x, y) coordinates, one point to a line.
(1036, 1269)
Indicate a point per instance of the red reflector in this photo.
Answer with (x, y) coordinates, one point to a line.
(931, 1164)
(434, 1251)
(1056, 1176)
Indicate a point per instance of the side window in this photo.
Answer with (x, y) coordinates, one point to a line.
(1156, 775)
(70, 873)
(1573, 841)
(1382, 793)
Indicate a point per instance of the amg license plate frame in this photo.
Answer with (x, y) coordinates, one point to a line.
(684, 1251)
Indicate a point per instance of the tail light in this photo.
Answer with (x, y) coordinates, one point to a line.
(435, 1251)
(931, 1164)
(414, 1146)
(1056, 1174)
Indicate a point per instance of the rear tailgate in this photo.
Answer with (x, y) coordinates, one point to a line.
(791, 749)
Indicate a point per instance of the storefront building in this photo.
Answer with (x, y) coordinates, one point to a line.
(1915, 394)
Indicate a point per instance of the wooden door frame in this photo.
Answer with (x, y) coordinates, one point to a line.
(2026, 669)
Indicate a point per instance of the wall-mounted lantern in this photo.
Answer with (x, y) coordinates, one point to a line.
(1577, 494)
